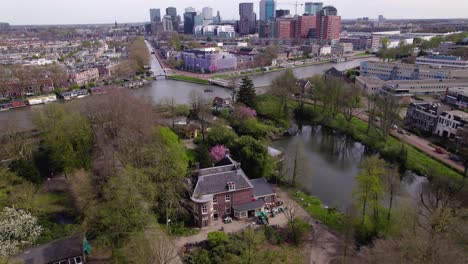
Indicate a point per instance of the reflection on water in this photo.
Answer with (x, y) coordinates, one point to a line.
(332, 163)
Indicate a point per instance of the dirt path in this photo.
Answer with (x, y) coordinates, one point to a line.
(321, 246)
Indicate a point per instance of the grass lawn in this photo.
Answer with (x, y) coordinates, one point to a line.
(331, 217)
(188, 79)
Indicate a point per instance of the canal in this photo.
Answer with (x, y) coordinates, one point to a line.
(330, 160)
(180, 91)
(329, 163)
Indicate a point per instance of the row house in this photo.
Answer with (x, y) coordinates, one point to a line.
(85, 76)
(450, 122)
(25, 88)
(225, 191)
(423, 116)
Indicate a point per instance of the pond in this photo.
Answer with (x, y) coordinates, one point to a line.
(328, 163)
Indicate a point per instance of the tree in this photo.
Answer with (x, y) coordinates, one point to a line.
(389, 109)
(18, 229)
(175, 110)
(121, 212)
(217, 238)
(246, 94)
(283, 87)
(385, 42)
(267, 56)
(352, 100)
(221, 135)
(200, 109)
(218, 152)
(67, 138)
(149, 247)
(369, 190)
(392, 185)
(83, 191)
(254, 157)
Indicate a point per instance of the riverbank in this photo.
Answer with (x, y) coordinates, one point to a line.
(189, 79)
(259, 71)
(391, 148)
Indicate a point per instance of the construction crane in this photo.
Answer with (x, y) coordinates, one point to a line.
(296, 4)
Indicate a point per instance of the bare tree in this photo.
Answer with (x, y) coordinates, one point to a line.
(201, 109)
(152, 247)
(389, 108)
(83, 190)
(392, 184)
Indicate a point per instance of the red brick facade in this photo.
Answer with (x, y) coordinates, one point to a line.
(221, 208)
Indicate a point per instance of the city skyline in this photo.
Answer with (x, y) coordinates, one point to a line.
(137, 10)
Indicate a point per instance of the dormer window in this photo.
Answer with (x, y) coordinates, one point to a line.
(231, 186)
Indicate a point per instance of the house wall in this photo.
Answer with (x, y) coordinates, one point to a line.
(237, 197)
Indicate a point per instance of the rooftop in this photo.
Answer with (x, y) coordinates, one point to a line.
(261, 187)
(214, 180)
(53, 251)
(249, 206)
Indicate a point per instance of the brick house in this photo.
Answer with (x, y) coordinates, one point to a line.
(224, 190)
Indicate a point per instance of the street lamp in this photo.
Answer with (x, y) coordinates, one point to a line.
(167, 225)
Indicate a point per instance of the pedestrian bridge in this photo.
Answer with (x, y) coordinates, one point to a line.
(223, 83)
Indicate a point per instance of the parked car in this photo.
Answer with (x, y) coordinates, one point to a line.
(455, 158)
(401, 131)
(440, 151)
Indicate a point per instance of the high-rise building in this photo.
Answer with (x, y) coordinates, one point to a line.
(381, 18)
(305, 25)
(190, 9)
(312, 8)
(189, 22)
(285, 28)
(207, 13)
(267, 10)
(167, 23)
(155, 15)
(217, 18)
(248, 19)
(171, 11)
(198, 20)
(281, 13)
(328, 24)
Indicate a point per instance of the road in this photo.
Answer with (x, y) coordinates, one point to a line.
(419, 143)
(425, 146)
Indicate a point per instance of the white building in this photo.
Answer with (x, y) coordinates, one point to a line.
(400, 71)
(372, 84)
(342, 48)
(443, 62)
(449, 122)
(223, 31)
(325, 50)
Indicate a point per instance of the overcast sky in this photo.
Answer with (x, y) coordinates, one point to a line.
(20, 12)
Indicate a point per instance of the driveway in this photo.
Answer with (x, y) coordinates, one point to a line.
(321, 247)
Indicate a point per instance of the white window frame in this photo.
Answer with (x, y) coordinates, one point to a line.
(227, 210)
(215, 200)
(204, 209)
(227, 198)
(231, 186)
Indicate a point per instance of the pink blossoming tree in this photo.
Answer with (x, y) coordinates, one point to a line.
(246, 112)
(218, 152)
